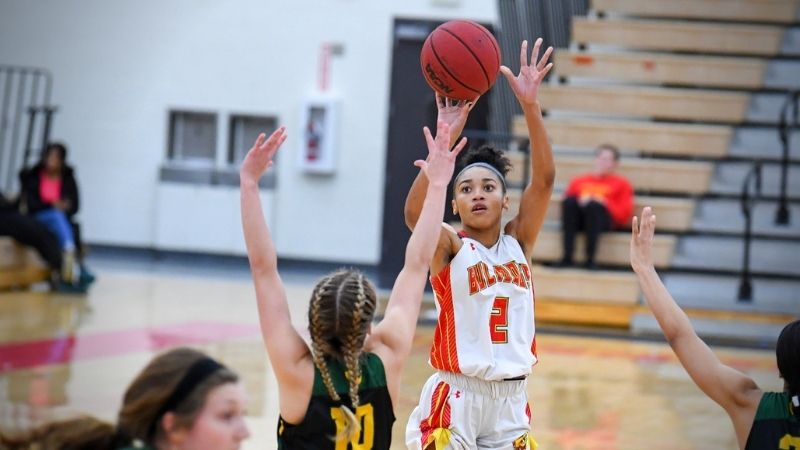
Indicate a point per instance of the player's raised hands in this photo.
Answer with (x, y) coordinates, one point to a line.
(454, 113)
(259, 157)
(526, 84)
(642, 232)
(441, 161)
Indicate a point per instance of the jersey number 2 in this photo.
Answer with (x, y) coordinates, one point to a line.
(364, 414)
(498, 323)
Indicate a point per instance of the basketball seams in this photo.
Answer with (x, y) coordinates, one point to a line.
(471, 52)
(444, 66)
(491, 39)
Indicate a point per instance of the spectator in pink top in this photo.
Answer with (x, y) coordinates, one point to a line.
(50, 194)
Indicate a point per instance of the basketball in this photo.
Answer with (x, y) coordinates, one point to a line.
(460, 59)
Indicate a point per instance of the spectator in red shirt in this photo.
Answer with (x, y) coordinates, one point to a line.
(596, 202)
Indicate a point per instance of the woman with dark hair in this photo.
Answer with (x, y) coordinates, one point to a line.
(761, 420)
(183, 400)
(484, 345)
(50, 195)
(340, 390)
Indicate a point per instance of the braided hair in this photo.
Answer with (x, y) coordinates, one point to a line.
(787, 352)
(341, 310)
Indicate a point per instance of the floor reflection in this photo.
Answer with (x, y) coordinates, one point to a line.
(62, 355)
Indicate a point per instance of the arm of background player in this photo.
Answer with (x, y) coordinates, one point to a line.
(735, 392)
(285, 346)
(454, 113)
(536, 196)
(396, 331)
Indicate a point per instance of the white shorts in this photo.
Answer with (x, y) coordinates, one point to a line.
(460, 412)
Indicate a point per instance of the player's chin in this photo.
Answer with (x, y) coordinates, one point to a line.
(482, 219)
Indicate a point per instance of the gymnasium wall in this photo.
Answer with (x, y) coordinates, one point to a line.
(121, 66)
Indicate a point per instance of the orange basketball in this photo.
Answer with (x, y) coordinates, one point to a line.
(460, 59)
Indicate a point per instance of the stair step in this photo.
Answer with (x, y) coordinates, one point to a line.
(763, 143)
(730, 175)
(725, 216)
(718, 292)
(726, 254)
(728, 330)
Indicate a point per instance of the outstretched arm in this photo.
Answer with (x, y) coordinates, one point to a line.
(453, 113)
(285, 346)
(396, 330)
(735, 392)
(536, 196)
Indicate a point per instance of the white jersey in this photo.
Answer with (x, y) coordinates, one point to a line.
(484, 298)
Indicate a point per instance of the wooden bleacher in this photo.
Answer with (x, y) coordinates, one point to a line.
(19, 266)
(777, 11)
(576, 296)
(650, 175)
(621, 91)
(613, 249)
(649, 102)
(697, 37)
(704, 141)
(674, 214)
(654, 68)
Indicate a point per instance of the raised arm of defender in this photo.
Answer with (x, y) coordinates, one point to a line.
(536, 196)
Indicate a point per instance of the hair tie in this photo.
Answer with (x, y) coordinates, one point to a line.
(196, 374)
(485, 166)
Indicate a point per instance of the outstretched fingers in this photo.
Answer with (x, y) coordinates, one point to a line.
(523, 54)
(543, 61)
(535, 53)
(460, 146)
(428, 138)
(275, 139)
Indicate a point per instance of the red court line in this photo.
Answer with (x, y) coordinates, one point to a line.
(27, 354)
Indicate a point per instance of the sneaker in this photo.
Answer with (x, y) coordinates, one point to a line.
(70, 288)
(86, 276)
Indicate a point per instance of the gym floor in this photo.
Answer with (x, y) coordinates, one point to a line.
(65, 354)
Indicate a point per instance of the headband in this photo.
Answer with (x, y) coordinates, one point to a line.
(485, 166)
(197, 373)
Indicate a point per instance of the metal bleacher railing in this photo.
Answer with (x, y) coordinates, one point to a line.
(25, 105)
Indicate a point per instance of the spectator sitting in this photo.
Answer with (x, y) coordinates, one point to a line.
(50, 194)
(28, 231)
(595, 203)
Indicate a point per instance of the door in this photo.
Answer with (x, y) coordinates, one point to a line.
(412, 105)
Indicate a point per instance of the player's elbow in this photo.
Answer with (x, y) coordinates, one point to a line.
(411, 215)
(416, 259)
(547, 178)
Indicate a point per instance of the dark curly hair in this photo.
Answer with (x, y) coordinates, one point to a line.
(484, 154)
(787, 352)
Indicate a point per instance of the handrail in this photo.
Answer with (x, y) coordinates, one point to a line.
(785, 128)
(748, 201)
(25, 94)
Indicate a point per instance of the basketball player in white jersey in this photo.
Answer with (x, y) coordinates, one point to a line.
(484, 345)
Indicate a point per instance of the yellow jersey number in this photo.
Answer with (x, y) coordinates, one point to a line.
(789, 442)
(364, 414)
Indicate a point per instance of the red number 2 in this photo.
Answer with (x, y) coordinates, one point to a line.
(498, 323)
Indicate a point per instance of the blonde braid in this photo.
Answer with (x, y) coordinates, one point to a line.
(353, 349)
(317, 352)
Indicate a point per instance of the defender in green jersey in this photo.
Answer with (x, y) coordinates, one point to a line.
(338, 394)
(761, 420)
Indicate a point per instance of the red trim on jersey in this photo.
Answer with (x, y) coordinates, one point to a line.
(528, 412)
(533, 296)
(444, 355)
(440, 413)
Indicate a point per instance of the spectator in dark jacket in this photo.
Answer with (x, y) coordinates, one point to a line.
(50, 194)
(30, 232)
